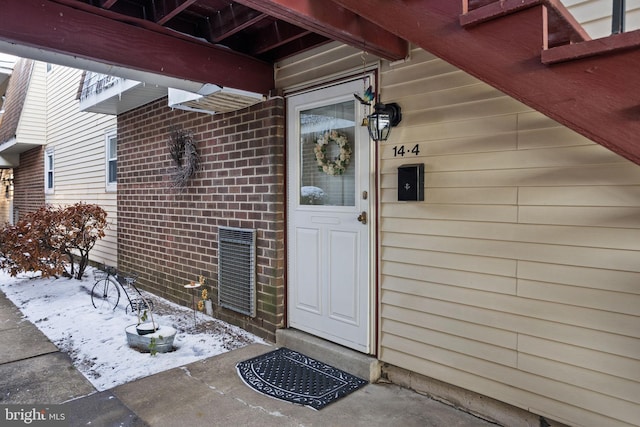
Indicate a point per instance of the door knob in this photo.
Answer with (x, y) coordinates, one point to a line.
(363, 217)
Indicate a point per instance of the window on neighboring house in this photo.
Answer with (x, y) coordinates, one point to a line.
(112, 161)
(48, 171)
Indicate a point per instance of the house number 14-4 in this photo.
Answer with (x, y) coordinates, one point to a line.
(401, 150)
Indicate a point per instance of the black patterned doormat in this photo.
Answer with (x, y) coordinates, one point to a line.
(288, 375)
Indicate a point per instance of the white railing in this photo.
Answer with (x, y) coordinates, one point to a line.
(95, 83)
(618, 17)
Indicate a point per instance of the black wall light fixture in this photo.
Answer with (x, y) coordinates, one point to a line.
(384, 117)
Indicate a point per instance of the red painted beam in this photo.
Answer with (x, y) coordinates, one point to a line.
(228, 23)
(168, 15)
(493, 9)
(604, 46)
(107, 4)
(334, 22)
(562, 26)
(592, 96)
(63, 29)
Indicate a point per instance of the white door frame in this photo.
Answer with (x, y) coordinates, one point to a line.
(368, 205)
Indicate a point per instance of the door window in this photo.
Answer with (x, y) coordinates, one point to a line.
(327, 155)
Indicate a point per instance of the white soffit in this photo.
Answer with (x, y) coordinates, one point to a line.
(213, 99)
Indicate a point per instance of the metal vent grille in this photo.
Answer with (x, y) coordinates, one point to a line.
(237, 270)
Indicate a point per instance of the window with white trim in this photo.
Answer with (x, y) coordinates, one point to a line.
(49, 166)
(112, 161)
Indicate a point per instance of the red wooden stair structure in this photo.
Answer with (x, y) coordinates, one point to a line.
(534, 51)
(603, 68)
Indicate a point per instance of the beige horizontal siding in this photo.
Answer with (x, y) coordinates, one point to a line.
(613, 280)
(80, 155)
(596, 216)
(518, 275)
(489, 295)
(542, 396)
(609, 259)
(470, 263)
(330, 62)
(397, 297)
(621, 196)
(621, 174)
(610, 238)
(585, 378)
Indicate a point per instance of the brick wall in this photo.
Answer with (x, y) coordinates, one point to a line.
(169, 237)
(28, 194)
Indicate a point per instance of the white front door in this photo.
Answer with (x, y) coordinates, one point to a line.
(329, 199)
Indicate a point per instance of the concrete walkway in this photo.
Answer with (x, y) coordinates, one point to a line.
(204, 393)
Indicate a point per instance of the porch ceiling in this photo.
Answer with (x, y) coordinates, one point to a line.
(224, 42)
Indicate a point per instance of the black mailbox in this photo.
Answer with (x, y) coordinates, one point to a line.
(411, 182)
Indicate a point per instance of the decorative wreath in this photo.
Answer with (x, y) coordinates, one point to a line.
(339, 164)
(184, 153)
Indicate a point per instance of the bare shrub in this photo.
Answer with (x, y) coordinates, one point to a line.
(49, 239)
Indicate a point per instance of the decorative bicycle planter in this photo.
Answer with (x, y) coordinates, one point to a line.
(105, 293)
(160, 341)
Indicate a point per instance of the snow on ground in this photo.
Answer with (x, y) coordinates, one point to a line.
(95, 339)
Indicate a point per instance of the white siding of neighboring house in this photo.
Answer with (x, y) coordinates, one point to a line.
(32, 127)
(595, 15)
(78, 139)
(517, 277)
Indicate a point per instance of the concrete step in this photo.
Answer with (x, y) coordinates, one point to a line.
(361, 365)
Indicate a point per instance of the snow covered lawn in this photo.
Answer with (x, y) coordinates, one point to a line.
(96, 341)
